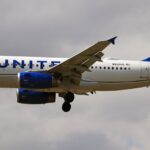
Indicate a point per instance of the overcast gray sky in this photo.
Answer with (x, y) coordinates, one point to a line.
(61, 28)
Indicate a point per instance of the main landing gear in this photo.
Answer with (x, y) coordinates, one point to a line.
(68, 97)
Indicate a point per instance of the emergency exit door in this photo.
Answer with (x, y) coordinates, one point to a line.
(145, 71)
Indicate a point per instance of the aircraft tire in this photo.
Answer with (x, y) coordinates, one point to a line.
(66, 107)
(69, 97)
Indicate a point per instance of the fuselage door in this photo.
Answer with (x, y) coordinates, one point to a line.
(145, 70)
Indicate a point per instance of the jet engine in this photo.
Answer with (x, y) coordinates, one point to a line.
(35, 80)
(34, 97)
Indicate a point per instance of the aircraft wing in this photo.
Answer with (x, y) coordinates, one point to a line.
(76, 65)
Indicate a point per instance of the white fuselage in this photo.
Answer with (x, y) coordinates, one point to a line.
(107, 75)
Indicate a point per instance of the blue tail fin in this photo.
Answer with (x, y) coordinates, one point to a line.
(146, 59)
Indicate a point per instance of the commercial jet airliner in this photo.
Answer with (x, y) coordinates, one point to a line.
(39, 79)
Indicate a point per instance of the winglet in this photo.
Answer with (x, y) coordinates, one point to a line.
(112, 40)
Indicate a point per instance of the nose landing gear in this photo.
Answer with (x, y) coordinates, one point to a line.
(68, 97)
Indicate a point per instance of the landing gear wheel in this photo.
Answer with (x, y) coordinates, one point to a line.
(66, 107)
(69, 97)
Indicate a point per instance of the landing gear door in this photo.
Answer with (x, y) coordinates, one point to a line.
(145, 71)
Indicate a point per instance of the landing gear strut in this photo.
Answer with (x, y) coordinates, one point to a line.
(68, 97)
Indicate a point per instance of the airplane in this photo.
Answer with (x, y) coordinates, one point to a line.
(38, 80)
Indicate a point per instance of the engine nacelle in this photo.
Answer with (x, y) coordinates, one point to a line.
(34, 97)
(35, 80)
